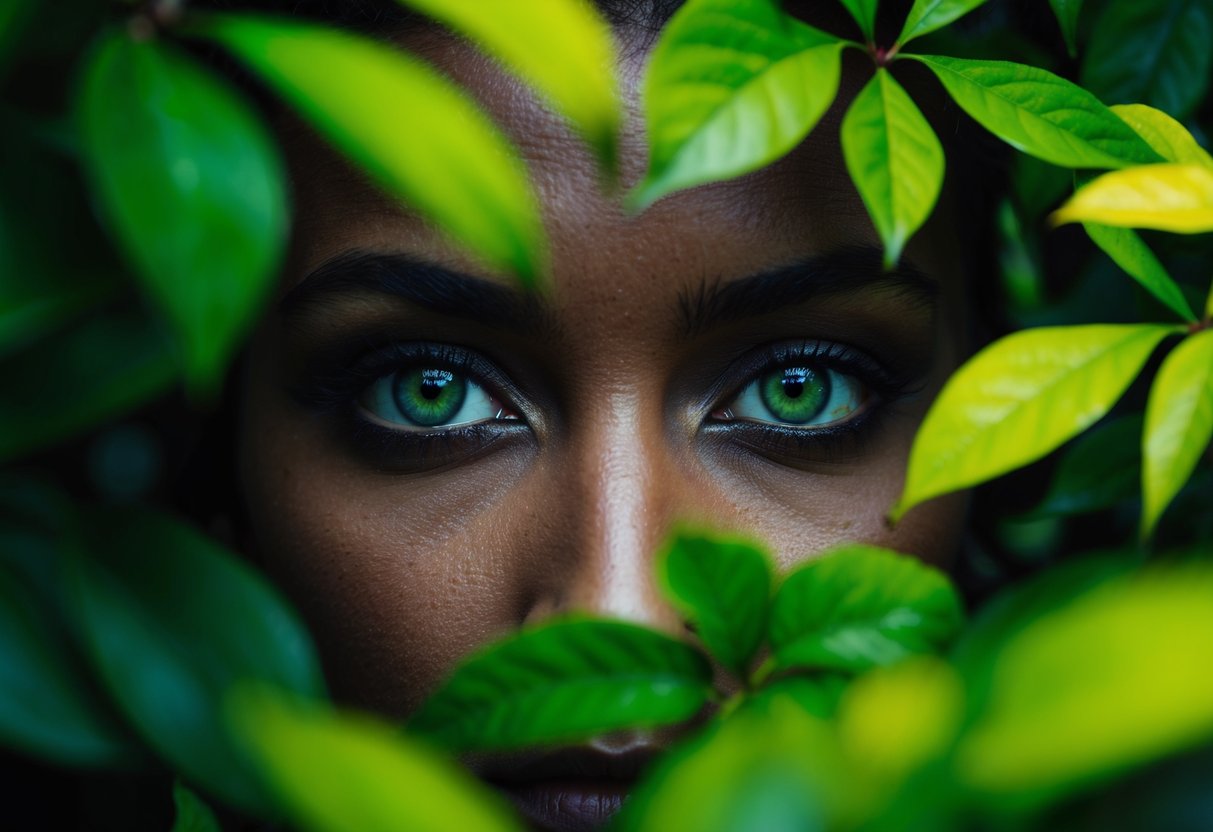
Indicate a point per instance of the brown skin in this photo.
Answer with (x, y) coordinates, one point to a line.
(402, 567)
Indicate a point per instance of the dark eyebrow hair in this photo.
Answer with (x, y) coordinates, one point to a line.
(424, 284)
(839, 272)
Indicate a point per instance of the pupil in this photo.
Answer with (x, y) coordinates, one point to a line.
(793, 384)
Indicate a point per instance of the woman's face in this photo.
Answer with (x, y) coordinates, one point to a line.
(431, 457)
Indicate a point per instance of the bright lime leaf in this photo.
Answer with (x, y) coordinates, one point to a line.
(1116, 678)
(146, 599)
(817, 694)
(459, 170)
(75, 380)
(1020, 398)
(344, 773)
(561, 47)
(565, 681)
(1101, 469)
(864, 13)
(1169, 197)
(1179, 424)
(1154, 53)
(1039, 113)
(1067, 12)
(928, 15)
(1132, 254)
(731, 87)
(895, 160)
(193, 815)
(859, 607)
(192, 187)
(1209, 305)
(1170, 139)
(722, 586)
(768, 766)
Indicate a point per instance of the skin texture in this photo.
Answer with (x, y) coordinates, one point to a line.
(403, 565)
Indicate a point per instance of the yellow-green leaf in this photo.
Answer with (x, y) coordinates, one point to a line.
(895, 160)
(1020, 398)
(1179, 424)
(416, 133)
(1170, 139)
(334, 772)
(928, 15)
(561, 47)
(1167, 197)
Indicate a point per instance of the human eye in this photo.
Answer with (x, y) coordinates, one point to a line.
(428, 397)
(802, 395)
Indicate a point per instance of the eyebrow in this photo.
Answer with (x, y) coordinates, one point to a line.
(421, 283)
(844, 271)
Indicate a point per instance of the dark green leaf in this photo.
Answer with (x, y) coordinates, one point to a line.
(1067, 12)
(859, 607)
(192, 814)
(345, 773)
(895, 160)
(67, 384)
(864, 14)
(566, 681)
(722, 586)
(1131, 253)
(712, 87)
(172, 621)
(459, 171)
(1040, 113)
(192, 187)
(1101, 469)
(1153, 53)
(928, 15)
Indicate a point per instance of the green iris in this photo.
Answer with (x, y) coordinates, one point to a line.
(794, 395)
(429, 397)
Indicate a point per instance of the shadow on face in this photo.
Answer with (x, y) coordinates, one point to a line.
(432, 457)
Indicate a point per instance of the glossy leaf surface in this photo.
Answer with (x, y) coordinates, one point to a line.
(722, 586)
(1067, 12)
(1039, 113)
(895, 160)
(1167, 197)
(1020, 398)
(470, 182)
(563, 48)
(1131, 253)
(1154, 53)
(860, 607)
(1179, 424)
(731, 86)
(1170, 139)
(193, 189)
(146, 598)
(1102, 468)
(928, 15)
(565, 681)
(343, 773)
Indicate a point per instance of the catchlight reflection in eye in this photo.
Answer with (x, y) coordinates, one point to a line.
(801, 396)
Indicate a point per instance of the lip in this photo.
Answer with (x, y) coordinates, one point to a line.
(574, 789)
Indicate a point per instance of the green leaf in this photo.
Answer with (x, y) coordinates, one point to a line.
(1020, 398)
(1039, 113)
(75, 380)
(864, 13)
(193, 815)
(192, 187)
(928, 15)
(1169, 197)
(561, 47)
(1179, 424)
(818, 694)
(565, 681)
(860, 607)
(1132, 254)
(459, 171)
(146, 598)
(334, 772)
(722, 586)
(1067, 12)
(730, 88)
(1101, 469)
(1151, 53)
(1112, 680)
(895, 160)
(1170, 139)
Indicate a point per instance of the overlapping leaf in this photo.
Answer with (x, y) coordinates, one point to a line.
(1168, 197)
(1132, 254)
(928, 15)
(1170, 139)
